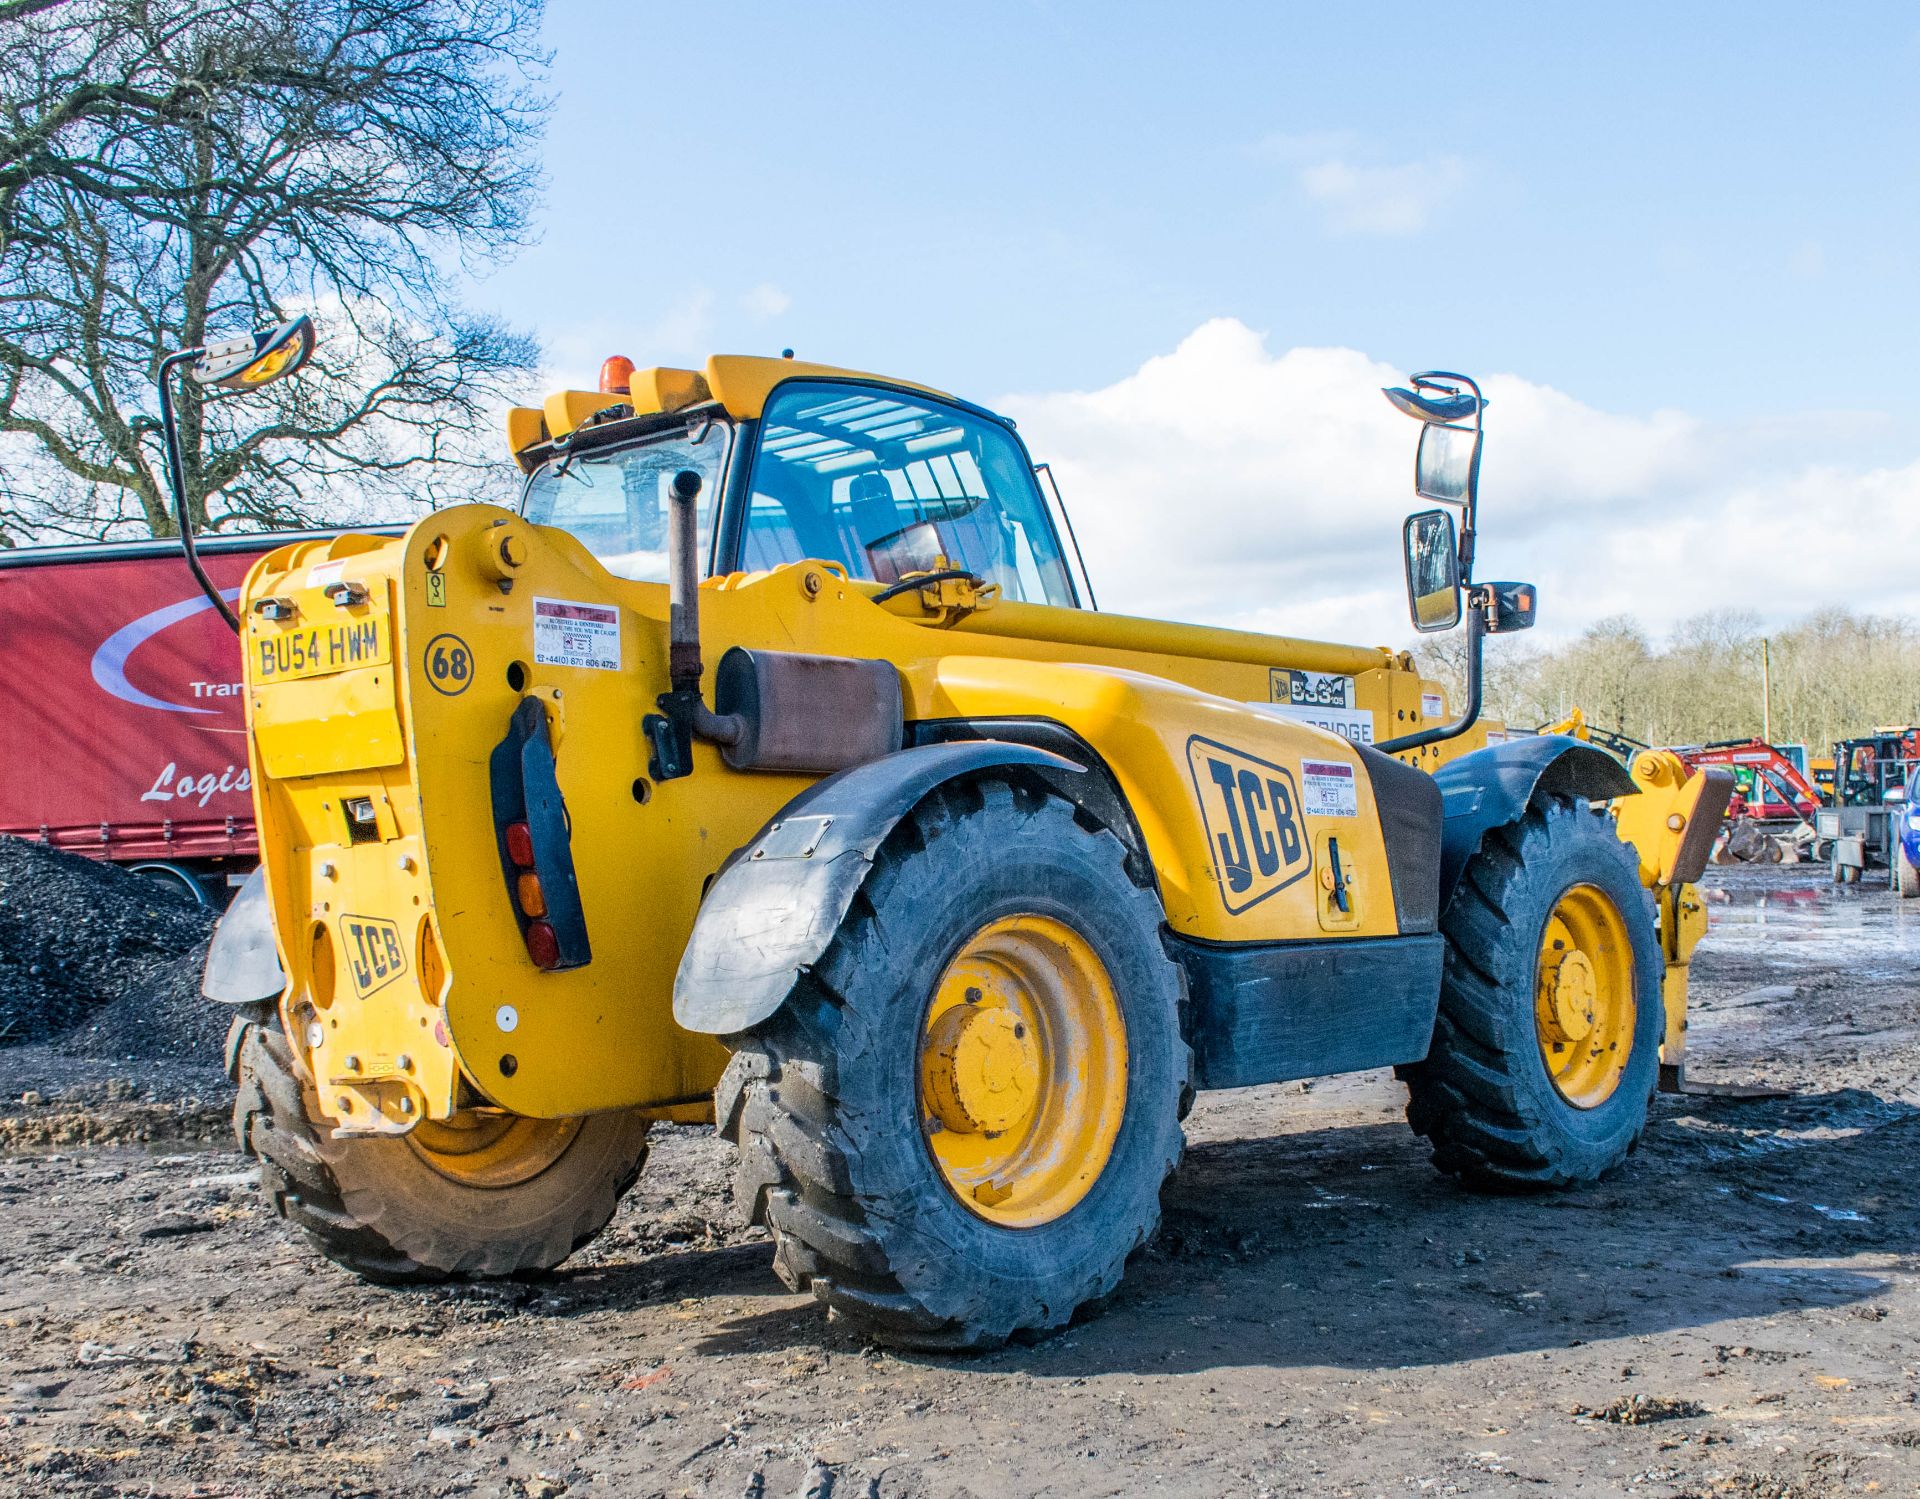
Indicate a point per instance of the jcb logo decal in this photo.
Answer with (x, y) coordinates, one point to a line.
(1251, 810)
(374, 954)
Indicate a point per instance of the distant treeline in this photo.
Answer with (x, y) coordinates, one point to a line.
(1835, 674)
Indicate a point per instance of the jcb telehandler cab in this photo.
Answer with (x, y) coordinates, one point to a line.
(769, 767)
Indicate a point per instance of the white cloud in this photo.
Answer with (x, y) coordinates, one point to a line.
(1363, 197)
(1382, 200)
(765, 302)
(1226, 483)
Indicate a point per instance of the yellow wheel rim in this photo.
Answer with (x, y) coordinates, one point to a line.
(1583, 1007)
(1023, 1071)
(486, 1148)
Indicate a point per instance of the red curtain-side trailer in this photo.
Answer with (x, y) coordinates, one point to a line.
(123, 735)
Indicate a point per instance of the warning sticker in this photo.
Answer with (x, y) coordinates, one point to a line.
(1432, 704)
(570, 634)
(1328, 789)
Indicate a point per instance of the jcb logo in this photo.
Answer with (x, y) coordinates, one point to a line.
(1251, 810)
(374, 954)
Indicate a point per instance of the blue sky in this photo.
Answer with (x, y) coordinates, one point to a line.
(1702, 211)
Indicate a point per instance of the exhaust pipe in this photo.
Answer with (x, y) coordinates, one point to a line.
(683, 713)
(683, 582)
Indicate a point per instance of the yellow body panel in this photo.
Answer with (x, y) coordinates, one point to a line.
(1683, 922)
(1163, 704)
(1162, 741)
(742, 382)
(565, 410)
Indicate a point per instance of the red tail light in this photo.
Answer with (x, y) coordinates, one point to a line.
(535, 843)
(543, 946)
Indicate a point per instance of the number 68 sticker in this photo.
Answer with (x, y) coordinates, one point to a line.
(449, 665)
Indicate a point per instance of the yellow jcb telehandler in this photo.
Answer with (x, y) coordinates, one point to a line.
(770, 765)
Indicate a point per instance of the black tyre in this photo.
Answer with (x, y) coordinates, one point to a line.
(1906, 875)
(958, 1125)
(480, 1196)
(1546, 1050)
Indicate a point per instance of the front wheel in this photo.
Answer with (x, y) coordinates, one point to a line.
(1546, 1049)
(958, 1125)
(1907, 875)
(481, 1195)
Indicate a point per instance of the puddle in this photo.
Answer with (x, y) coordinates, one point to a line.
(1749, 912)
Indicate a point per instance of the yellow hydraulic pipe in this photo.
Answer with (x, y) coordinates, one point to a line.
(1123, 632)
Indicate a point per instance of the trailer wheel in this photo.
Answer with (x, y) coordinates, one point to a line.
(1546, 1049)
(176, 877)
(958, 1124)
(481, 1195)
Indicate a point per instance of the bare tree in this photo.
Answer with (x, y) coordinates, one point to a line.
(1835, 674)
(178, 170)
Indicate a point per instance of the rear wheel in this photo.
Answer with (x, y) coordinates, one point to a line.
(1546, 1049)
(958, 1125)
(483, 1194)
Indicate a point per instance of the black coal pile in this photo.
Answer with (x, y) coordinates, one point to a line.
(99, 961)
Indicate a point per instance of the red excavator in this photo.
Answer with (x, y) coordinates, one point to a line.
(1794, 800)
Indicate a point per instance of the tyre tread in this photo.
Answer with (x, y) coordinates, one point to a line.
(1466, 1098)
(778, 1105)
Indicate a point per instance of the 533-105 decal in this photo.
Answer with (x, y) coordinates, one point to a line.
(1251, 810)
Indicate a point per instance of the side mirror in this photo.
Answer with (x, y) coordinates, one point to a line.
(1433, 570)
(244, 363)
(1447, 466)
(255, 359)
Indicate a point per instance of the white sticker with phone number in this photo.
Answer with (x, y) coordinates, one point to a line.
(1328, 789)
(570, 634)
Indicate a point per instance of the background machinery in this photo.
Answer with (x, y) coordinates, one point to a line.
(1870, 823)
(770, 767)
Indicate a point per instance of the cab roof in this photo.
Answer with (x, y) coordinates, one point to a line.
(738, 383)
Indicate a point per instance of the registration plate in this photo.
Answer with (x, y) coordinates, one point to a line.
(288, 654)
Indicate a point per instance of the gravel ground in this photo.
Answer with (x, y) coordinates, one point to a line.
(1733, 1314)
(98, 961)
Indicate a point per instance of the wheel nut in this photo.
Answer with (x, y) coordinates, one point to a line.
(406, 1062)
(353, 1064)
(315, 1035)
(344, 1103)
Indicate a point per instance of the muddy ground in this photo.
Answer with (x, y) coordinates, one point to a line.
(1322, 1314)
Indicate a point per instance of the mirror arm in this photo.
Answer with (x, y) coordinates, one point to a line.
(1477, 607)
(177, 481)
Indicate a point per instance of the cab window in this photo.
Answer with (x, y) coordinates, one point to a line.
(614, 499)
(887, 484)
